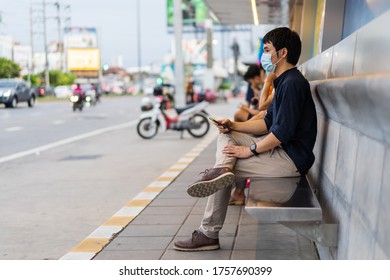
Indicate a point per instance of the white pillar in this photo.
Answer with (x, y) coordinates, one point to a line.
(179, 62)
(208, 79)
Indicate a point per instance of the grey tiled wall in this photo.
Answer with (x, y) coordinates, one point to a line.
(351, 87)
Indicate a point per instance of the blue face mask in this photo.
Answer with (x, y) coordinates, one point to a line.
(267, 64)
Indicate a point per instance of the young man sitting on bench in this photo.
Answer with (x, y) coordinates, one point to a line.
(286, 150)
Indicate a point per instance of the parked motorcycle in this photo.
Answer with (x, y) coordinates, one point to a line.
(191, 118)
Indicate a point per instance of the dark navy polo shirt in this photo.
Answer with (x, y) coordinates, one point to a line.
(292, 118)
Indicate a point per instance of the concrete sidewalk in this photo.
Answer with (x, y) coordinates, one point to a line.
(173, 214)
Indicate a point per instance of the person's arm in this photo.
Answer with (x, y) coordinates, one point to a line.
(267, 100)
(259, 115)
(249, 110)
(256, 127)
(268, 92)
(267, 143)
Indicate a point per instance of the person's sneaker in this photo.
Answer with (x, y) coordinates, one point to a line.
(197, 242)
(212, 181)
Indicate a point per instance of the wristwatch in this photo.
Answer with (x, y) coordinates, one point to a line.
(253, 148)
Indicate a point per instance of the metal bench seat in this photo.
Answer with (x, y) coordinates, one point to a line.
(291, 202)
(282, 200)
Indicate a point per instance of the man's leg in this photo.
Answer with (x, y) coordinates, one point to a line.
(221, 175)
(219, 178)
(217, 204)
(215, 213)
(274, 163)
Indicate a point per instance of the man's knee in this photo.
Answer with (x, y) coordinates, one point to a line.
(241, 116)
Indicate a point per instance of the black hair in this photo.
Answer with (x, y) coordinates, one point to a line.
(253, 71)
(284, 37)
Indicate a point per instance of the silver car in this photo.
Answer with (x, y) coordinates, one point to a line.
(13, 91)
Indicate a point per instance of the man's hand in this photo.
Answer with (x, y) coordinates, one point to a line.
(226, 127)
(271, 77)
(244, 106)
(237, 151)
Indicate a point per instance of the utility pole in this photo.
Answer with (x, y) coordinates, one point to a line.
(57, 4)
(68, 19)
(68, 24)
(31, 66)
(140, 80)
(60, 43)
(47, 78)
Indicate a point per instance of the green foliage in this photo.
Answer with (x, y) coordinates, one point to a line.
(8, 68)
(59, 78)
(35, 80)
(225, 85)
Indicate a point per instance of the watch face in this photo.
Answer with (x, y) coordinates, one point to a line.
(253, 149)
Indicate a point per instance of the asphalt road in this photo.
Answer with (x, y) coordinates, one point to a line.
(64, 173)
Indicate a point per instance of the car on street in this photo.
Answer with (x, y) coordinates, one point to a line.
(14, 91)
(63, 91)
(42, 91)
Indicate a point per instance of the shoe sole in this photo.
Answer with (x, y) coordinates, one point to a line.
(203, 248)
(207, 188)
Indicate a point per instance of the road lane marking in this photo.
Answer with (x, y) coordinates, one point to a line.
(88, 248)
(67, 141)
(58, 122)
(15, 128)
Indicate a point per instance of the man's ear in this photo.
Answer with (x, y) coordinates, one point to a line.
(284, 52)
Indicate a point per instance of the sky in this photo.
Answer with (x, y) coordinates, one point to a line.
(116, 22)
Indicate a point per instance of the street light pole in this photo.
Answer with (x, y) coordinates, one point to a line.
(140, 81)
(60, 43)
(31, 65)
(47, 78)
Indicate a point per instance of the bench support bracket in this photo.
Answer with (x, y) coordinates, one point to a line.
(324, 234)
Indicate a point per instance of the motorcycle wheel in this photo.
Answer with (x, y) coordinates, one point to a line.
(201, 126)
(146, 129)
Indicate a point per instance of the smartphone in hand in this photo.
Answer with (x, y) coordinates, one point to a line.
(218, 123)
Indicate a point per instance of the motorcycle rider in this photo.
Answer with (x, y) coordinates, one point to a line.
(79, 91)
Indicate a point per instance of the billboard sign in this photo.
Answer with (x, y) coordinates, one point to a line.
(81, 37)
(83, 59)
(194, 14)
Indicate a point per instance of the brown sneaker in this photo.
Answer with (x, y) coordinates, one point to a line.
(213, 180)
(198, 242)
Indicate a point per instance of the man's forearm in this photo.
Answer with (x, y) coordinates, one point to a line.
(267, 143)
(256, 127)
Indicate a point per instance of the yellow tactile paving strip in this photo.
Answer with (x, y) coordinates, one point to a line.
(102, 236)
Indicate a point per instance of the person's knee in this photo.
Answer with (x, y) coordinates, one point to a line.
(240, 116)
(237, 116)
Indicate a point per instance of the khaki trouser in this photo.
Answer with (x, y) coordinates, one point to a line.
(274, 163)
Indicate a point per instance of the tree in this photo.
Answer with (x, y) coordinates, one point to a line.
(34, 78)
(59, 78)
(8, 68)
